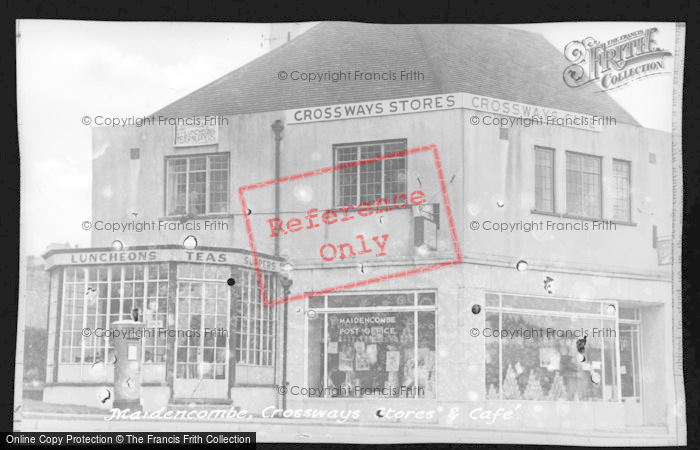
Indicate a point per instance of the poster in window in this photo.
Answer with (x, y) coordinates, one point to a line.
(333, 348)
(347, 357)
(371, 352)
(393, 359)
(361, 362)
(550, 358)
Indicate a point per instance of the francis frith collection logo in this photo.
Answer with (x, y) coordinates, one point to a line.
(616, 63)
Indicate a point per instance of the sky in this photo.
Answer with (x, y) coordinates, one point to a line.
(70, 69)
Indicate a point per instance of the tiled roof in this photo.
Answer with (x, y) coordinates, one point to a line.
(487, 60)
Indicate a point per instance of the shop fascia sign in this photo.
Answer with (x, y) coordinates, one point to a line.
(442, 102)
(151, 256)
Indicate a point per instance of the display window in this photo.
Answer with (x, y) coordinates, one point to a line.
(551, 349)
(95, 297)
(373, 345)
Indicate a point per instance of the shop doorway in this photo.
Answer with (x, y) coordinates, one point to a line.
(630, 367)
(202, 343)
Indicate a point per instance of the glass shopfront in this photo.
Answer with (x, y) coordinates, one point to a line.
(539, 348)
(211, 323)
(94, 297)
(373, 345)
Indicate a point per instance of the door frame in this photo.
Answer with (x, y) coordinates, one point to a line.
(637, 354)
(219, 388)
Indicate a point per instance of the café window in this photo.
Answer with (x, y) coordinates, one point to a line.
(95, 297)
(385, 178)
(378, 345)
(583, 185)
(197, 184)
(255, 322)
(533, 349)
(621, 191)
(544, 179)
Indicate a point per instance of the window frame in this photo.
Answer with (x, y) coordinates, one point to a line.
(383, 144)
(514, 310)
(629, 190)
(635, 323)
(553, 173)
(119, 298)
(256, 312)
(323, 312)
(208, 170)
(582, 214)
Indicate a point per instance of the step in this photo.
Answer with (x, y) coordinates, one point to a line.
(199, 404)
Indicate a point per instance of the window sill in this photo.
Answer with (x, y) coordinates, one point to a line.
(198, 217)
(575, 217)
(545, 213)
(623, 222)
(588, 218)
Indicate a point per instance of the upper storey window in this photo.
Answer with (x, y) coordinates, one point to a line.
(197, 184)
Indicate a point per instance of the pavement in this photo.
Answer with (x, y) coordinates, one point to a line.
(300, 431)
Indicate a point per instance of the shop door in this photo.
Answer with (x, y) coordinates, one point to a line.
(201, 349)
(630, 374)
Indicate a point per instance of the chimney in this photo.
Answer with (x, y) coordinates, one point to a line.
(281, 33)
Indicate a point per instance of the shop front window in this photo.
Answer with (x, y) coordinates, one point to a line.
(95, 297)
(203, 321)
(538, 351)
(255, 322)
(373, 345)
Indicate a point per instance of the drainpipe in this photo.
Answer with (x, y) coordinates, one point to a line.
(278, 128)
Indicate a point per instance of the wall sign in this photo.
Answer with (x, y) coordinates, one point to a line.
(663, 251)
(199, 132)
(425, 232)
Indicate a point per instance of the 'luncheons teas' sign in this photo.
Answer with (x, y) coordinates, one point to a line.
(144, 256)
(521, 112)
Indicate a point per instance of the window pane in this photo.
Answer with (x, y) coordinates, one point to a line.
(544, 179)
(218, 183)
(364, 300)
(347, 178)
(370, 174)
(177, 188)
(254, 320)
(394, 171)
(629, 360)
(583, 185)
(426, 364)
(621, 191)
(492, 355)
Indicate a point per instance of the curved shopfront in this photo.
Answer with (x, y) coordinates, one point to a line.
(200, 308)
